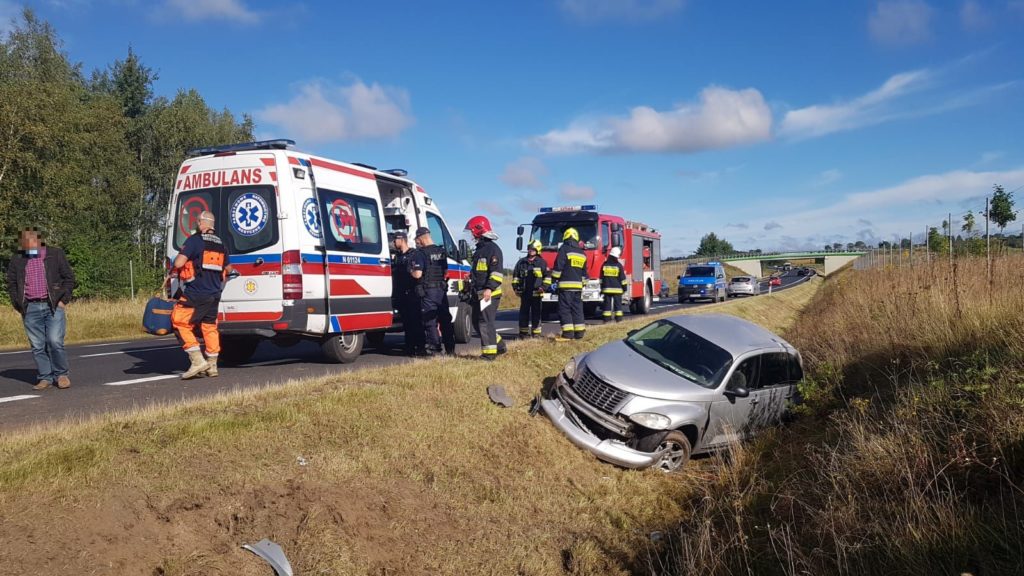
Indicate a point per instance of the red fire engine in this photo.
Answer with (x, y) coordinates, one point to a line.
(640, 244)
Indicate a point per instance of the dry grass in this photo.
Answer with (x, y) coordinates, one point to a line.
(909, 458)
(408, 469)
(88, 321)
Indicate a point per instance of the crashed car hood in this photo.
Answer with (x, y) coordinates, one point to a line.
(619, 365)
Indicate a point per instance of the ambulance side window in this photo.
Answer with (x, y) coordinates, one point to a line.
(439, 233)
(190, 205)
(249, 218)
(353, 223)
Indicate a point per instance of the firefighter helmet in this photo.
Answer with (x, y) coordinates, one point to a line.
(571, 233)
(480, 227)
(616, 252)
(536, 245)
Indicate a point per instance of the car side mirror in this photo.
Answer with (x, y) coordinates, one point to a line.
(463, 250)
(737, 392)
(519, 243)
(520, 230)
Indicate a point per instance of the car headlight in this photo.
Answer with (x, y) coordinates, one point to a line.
(709, 285)
(569, 371)
(651, 420)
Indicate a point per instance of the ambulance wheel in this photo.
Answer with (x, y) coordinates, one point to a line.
(375, 339)
(463, 323)
(237, 349)
(343, 348)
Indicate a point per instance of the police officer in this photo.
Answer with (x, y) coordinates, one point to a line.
(202, 266)
(530, 279)
(430, 269)
(486, 277)
(613, 280)
(569, 274)
(406, 299)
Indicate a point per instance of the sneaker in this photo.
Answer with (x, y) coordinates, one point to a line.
(41, 385)
(63, 382)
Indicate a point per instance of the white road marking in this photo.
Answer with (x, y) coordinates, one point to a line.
(504, 329)
(267, 363)
(105, 344)
(15, 352)
(141, 380)
(128, 351)
(16, 398)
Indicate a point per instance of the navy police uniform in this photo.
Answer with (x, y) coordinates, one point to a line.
(406, 300)
(432, 289)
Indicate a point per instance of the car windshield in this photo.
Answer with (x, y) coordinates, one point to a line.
(681, 352)
(702, 271)
(550, 235)
(741, 279)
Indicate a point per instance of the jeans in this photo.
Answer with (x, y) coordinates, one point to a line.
(45, 330)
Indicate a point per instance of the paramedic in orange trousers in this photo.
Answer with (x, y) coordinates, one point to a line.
(202, 266)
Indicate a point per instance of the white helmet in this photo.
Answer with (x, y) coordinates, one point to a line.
(616, 252)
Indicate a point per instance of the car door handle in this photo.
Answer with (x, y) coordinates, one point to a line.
(753, 401)
(258, 262)
(384, 261)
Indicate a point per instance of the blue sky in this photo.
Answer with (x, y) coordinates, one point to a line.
(775, 125)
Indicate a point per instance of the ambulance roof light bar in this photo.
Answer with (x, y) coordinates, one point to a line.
(279, 144)
(549, 209)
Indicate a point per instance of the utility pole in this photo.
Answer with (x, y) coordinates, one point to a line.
(949, 232)
(927, 246)
(988, 244)
(911, 250)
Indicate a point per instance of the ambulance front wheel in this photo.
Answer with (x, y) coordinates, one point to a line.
(463, 323)
(343, 348)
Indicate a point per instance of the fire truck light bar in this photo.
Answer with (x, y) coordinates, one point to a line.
(279, 144)
(548, 209)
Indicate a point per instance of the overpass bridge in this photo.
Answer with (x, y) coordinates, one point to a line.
(753, 263)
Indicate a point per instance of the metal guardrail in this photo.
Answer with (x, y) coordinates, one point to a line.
(765, 256)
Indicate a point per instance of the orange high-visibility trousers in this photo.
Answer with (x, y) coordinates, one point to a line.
(183, 319)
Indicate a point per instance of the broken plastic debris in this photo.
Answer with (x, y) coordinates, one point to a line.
(499, 396)
(272, 554)
(302, 461)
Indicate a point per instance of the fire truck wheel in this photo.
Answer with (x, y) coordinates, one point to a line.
(375, 339)
(237, 349)
(343, 348)
(463, 323)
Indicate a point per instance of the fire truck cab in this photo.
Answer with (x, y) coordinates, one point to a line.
(640, 244)
(311, 240)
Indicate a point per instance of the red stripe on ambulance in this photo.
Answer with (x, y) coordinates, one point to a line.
(347, 287)
(356, 322)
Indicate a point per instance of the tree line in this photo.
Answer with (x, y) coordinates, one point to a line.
(90, 159)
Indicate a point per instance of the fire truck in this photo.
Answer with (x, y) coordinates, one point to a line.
(640, 244)
(310, 238)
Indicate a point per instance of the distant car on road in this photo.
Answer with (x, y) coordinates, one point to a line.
(678, 386)
(787, 267)
(775, 281)
(805, 272)
(744, 285)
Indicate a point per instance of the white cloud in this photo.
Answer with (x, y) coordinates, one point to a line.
(973, 16)
(828, 177)
(325, 113)
(723, 118)
(871, 108)
(772, 225)
(231, 10)
(527, 172)
(990, 156)
(900, 22)
(574, 192)
(592, 11)
(738, 225)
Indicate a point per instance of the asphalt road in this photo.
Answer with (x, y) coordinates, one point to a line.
(120, 376)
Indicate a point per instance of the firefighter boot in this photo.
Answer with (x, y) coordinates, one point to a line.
(198, 366)
(211, 372)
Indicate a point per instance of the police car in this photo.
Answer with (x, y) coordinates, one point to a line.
(310, 239)
(703, 281)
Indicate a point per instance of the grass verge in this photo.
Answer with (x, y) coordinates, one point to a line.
(909, 458)
(401, 470)
(88, 321)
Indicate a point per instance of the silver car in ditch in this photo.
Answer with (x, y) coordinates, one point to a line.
(744, 285)
(676, 387)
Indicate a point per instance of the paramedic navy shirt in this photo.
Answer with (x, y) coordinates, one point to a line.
(207, 282)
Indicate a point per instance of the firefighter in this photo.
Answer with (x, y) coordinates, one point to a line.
(486, 277)
(202, 266)
(569, 275)
(613, 280)
(530, 279)
(407, 301)
(430, 270)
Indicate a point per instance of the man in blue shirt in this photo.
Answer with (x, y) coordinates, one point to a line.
(202, 266)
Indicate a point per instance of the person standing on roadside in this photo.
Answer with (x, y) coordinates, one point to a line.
(430, 269)
(202, 266)
(486, 277)
(406, 299)
(569, 274)
(40, 282)
(530, 279)
(613, 282)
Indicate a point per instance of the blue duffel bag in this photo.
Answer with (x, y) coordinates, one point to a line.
(157, 319)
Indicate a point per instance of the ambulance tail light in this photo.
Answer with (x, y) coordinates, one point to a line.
(291, 274)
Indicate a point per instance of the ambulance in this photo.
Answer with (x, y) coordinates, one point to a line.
(310, 240)
(640, 244)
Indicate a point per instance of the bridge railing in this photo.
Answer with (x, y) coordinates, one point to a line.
(766, 256)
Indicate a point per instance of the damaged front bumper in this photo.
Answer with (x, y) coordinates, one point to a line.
(613, 451)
